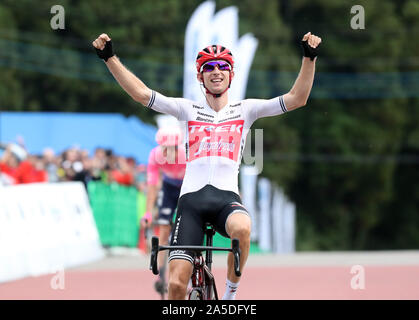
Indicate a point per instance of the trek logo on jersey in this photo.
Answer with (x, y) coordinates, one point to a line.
(221, 140)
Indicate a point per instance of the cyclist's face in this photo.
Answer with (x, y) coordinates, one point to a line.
(216, 80)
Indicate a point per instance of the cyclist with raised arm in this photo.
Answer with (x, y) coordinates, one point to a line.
(216, 131)
(166, 163)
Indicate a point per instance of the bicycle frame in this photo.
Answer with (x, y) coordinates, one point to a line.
(203, 281)
(202, 278)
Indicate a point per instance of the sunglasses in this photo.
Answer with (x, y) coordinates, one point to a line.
(220, 64)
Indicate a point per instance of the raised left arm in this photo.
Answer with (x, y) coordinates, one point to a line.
(300, 91)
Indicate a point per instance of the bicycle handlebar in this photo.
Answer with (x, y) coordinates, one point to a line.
(155, 248)
(153, 255)
(236, 253)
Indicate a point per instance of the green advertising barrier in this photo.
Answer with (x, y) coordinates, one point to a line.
(116, 210)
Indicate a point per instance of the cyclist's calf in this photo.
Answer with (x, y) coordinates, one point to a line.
(238, 226)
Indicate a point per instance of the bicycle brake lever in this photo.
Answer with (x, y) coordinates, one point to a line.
(236, 253)
(153, 255)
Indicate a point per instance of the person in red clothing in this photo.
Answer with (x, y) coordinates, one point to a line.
(31, 170)
(10, 162)
(7, 170)
(124, 173)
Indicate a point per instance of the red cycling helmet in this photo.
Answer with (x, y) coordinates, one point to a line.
(214, 52)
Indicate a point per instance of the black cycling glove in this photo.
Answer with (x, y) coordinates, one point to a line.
(107, 52)
(308, 51)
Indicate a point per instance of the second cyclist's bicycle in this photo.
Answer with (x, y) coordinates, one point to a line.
(202, 279)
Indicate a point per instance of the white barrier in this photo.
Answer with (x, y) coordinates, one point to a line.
(248, 182)
(272, 213)
(265, 240)
(44, 228)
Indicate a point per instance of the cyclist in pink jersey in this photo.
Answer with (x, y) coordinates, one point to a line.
(216, 131)
(167, 160)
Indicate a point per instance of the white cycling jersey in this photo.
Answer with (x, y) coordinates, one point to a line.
(214, 141)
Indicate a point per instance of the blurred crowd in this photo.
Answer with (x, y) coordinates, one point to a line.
(74, 164)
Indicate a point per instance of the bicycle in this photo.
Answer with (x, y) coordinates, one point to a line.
(202, 279)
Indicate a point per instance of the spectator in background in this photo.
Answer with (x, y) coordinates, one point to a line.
(73, 164)
(51, 164)
(111, 164)
(10, 170)
(17, 166)
(124, 171)
(141, 178)
(98, 165)
(84, 172)
(31, 170)
(68, 165)
(103, 163)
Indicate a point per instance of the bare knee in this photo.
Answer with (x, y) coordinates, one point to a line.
(176, 287)
(239, 227)
(242, 234)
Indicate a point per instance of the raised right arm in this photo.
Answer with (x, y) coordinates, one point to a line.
(126, 79)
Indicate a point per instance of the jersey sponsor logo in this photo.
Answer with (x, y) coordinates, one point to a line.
(176, 231)
(187, 149)
(230, 118)
(207, 146)
(202, 119)
(205, 115)
(235, 105)
(221, 140)
(230, 112)
(197, 107)
(176, 252)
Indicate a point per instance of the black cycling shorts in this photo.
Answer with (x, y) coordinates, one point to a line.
(208, 204)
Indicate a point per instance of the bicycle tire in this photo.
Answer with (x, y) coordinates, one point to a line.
(195, 294)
